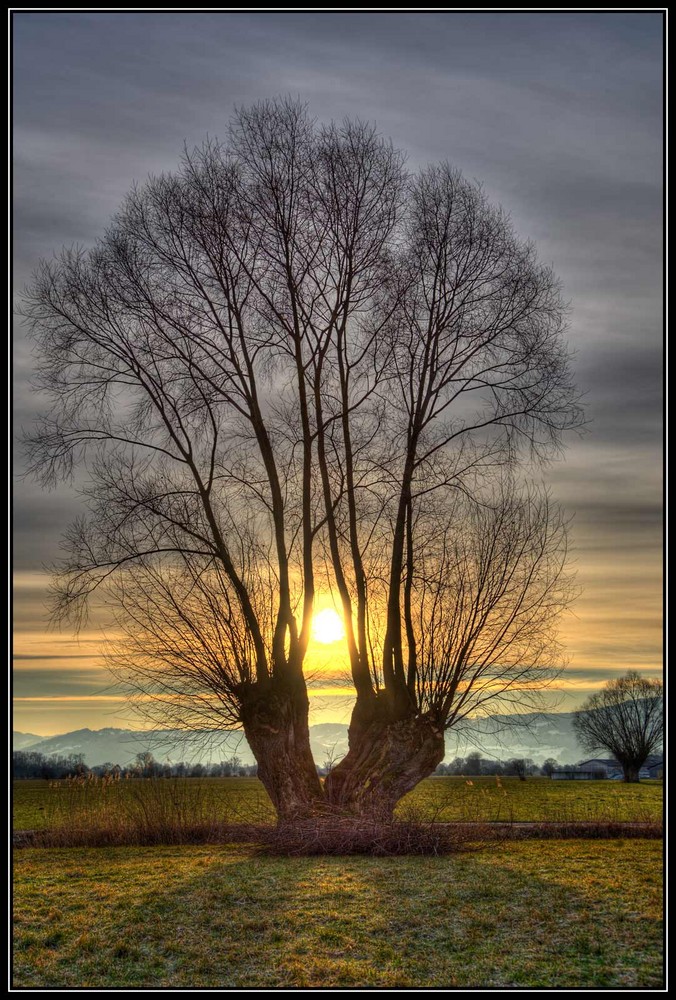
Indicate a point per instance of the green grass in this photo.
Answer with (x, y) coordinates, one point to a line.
(38, 805)
(533, 914)
(537, 800)
(42, 804)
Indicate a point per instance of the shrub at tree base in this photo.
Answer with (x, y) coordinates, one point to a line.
(341, 837)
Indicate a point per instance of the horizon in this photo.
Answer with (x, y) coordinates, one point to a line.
(313, 725)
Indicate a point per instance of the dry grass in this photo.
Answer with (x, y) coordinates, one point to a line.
(438, 818)
(108, 812)
(38, 804)
(95, 812)
(48, 804)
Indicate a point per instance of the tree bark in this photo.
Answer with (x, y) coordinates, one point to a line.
(275, 720)
(386, 759)
(631, 772)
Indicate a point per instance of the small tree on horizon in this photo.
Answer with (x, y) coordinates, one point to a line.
(550, 765)
(520, 767)
(625, 719)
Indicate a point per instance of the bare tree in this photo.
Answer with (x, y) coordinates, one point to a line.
(290, 366)
(487, 586)
(549, 766)
(624, 719)
(476, 369)
(521, 767)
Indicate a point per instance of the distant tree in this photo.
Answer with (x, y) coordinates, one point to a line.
(145, 764)
(102, 769)
(492, 767)
(32, 764)
(331, 758)
(77, 763)
(456, 766)
(232, 767)
(549, 765)
(624, 719)
(517, 766)
(473, 763)
(21, 764)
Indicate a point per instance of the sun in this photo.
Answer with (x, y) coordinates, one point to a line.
(327, 626)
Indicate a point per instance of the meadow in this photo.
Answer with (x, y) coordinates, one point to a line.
(547, 914)
(506, 914)
(42, 804)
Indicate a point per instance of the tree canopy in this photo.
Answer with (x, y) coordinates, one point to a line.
(624, 718)
(292, 367)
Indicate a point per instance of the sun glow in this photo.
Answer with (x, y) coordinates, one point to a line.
(327, 626)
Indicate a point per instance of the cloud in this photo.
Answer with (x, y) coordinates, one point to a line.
(559, 114)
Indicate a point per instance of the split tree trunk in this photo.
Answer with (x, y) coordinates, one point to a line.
(275, 720)
(386, 759)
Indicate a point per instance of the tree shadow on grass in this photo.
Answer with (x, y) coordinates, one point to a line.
(565, 914)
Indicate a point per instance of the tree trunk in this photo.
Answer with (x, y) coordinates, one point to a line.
(631, 772)
(275, 720)
(386, 760)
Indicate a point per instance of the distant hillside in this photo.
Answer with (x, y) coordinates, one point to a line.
(20, 741)
(120, 746)
(538, 736)
(535, 736)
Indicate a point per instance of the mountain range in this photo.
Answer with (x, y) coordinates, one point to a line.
(20, 741)
(537, 736)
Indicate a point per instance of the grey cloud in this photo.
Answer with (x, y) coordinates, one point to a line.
(605, 674)
(62, 682)
(559, 114)
(72, 656)
(637, 516)
(40, 518)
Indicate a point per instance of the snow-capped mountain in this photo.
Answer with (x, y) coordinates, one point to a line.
(501, 737)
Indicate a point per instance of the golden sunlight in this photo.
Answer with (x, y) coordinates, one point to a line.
(327, 626)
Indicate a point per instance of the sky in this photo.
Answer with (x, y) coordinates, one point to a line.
(559, 115)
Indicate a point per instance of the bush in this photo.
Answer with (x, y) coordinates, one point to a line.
(348, 835)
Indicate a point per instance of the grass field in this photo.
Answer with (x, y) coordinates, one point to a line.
(37, 805)
(536, 800)
(535, 914)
